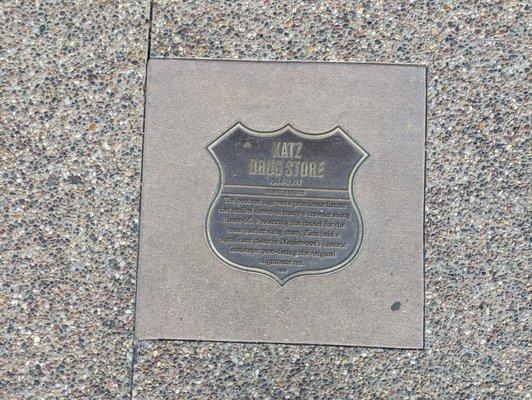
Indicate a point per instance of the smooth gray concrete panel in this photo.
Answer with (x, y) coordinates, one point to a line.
(186, 292)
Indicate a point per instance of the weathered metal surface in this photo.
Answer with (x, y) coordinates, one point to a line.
(285, 205)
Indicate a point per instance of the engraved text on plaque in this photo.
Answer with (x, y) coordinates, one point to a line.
(285, 206)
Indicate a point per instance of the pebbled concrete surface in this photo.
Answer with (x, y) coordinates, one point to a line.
(477, 298)
(71, 78)
(71, 114)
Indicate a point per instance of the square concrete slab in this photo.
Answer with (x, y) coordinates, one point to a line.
(283, 202)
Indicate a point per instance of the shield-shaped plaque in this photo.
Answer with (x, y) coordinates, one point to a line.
(285, 205)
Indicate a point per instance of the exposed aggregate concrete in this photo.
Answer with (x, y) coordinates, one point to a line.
(71, 85)
(71, 109)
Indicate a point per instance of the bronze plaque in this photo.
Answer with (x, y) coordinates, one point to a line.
(285, 205)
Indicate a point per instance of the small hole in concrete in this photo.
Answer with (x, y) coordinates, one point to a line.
(396, 306)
